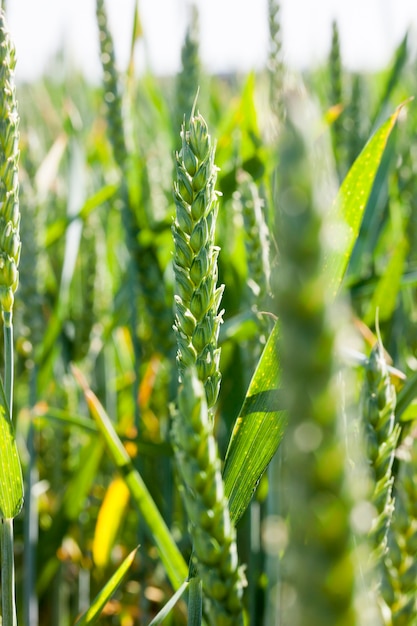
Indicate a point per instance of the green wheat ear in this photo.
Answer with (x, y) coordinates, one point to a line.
(381, 438)
(9, 186)
(249, 204)
(111, 79)
(337, 99)
(275, 60)
(188, 79)
(400, 590)
(11, 482)
(83, 304)
(214, 537)
(197, 299)
(354, 120)
(381, 434)
(197, 322)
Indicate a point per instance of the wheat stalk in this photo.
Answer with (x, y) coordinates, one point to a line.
(9, 275)
(197, 322)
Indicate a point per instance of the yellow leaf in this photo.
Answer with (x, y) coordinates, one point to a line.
(109, 520)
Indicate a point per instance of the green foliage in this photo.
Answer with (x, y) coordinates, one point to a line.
(345, 218)
(102, 283)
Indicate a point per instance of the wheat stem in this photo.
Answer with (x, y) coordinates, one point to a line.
(8, 578)
(197, 324)
(9, 276)
(195, 602)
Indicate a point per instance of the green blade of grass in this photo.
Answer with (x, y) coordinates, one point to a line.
(346, 215)
(374, 216)
(260, 425)
(174, 563)
(57, 229)
(80, 484)
(92, 615)
(44, 413)
(257, 433)
(167, 608)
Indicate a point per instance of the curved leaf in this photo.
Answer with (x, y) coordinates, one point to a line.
(257, 433)
(346, 215)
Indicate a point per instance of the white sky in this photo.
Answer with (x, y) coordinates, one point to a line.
(234, 33)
